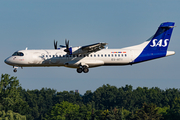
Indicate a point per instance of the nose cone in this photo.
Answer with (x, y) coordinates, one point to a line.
(7, 61)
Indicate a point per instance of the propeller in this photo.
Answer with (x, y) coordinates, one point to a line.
(67, 47)
(55, 44)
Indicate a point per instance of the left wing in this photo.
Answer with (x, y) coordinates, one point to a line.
(93, 47)
(81, 49)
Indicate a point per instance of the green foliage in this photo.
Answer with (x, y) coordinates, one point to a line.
(147, 112)
(64, 110)
(163, 110)
(173, 113)
(10, 98)
(85, 112)
(39, 101)
(106, 102)
(71, 97)
(10, 115)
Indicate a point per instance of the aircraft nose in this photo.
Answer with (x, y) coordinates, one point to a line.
(7, 61)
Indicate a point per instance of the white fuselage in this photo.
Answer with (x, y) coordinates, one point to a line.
(60, 58)
(57, 57)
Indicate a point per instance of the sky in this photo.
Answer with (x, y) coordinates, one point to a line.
(120, 23)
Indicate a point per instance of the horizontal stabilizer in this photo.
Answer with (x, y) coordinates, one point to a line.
(170, 53)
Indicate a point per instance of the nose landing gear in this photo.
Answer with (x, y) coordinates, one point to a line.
(15, 70)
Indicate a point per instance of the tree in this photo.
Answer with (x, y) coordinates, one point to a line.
(174, 112)
(64, 111)
(40, 101)
(10, 98)
(148, 112)
(71, 97)
(10, 115)
(84, 112)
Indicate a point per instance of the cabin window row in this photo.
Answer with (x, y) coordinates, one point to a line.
(91, 55)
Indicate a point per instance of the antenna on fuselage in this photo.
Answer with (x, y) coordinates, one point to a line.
(26, 48)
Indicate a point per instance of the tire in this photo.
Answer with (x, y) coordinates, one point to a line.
(15, 70)
(85, 70)
(79, 70)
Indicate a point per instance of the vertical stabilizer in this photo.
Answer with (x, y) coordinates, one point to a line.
(158, 45)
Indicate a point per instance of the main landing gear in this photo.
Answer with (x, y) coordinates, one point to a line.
(84, 69)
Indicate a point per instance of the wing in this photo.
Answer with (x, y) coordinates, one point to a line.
(94, 47)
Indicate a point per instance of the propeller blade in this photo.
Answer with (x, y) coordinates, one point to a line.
(55, 44)
(67, 46)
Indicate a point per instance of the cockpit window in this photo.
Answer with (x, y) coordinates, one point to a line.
(18, 54)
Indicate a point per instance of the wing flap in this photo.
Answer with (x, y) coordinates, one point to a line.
(94, 47)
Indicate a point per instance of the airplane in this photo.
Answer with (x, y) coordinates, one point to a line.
(94, 55)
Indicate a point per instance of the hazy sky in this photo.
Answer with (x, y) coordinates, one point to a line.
(120, 23)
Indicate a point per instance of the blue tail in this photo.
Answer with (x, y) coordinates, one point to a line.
(158, 45)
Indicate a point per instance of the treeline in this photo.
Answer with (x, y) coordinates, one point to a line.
(106, 103)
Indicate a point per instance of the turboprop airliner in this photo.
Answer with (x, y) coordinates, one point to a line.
(94, 55)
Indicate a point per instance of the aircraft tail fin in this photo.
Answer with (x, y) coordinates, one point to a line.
(158, 44)
(161, 38)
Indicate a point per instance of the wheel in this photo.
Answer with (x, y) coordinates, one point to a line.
(79, 70)
(85, 70)
(15, 70)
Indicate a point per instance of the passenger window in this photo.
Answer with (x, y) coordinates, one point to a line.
(49, 55)
(73, 55)
(105, 55)
(91, 55)
(87, 55)
(102, 55)
(46, 55)
(84, 55)
(112, 55)
(94, 55)
(108, 55)
(53, 55)
(125, 55)
(98, 55)
(122, 55)
(118, 55)
(115, 55)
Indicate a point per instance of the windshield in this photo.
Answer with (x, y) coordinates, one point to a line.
(18, 54)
